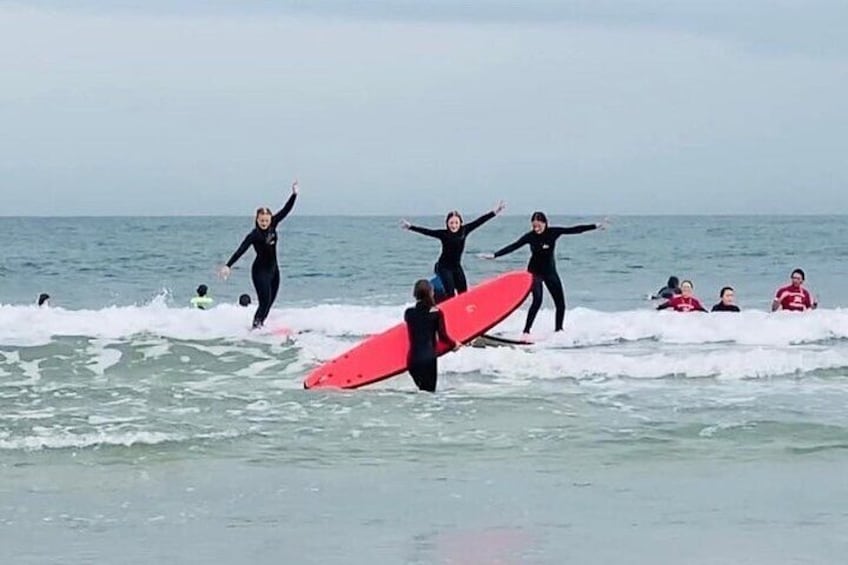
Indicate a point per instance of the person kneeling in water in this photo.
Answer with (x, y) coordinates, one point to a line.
(726, 304)
(425, 324)
(684, 302)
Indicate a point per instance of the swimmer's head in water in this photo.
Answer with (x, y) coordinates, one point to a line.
(727, 295)
(673, 282)
(263, 218)
(539, 222)
(244, 300)
(202, 290)
(686, 288)
(43, 298)
(453, 221)
(423, 292)
(798, 277)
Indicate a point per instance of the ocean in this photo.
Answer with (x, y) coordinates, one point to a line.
(134, 429)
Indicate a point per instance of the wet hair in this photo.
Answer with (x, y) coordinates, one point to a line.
(42, 298)
(202, 290)
(244, 300)
(799, 272)
(539, 217)
(687, 281)
(673, 282)
(453, 214)
(723, 290)
(423, 292)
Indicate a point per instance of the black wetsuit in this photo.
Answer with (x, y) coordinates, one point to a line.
(425, 325)
(721, 307)
(265, 271)
(666, 292)
(449, 264)
(543, 266)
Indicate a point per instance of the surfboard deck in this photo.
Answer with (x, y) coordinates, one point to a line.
(467, 316)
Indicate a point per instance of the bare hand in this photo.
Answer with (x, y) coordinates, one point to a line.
(458, 346)
(404, 224)
(603, 224)
(499, 207)
(224, 272)
(295, 187)
(488, 256)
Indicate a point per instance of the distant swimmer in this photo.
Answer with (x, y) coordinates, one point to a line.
(542, 241)
(726, 302)
(671, 288)
(265, 271)
(202, 300)
(794, 297)
(426, 326)
(449, 264)
(244, 300)
(44, 299)
(685, 301)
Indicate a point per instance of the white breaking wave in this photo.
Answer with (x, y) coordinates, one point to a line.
(30, 325)
(53, 439)
(631, 344)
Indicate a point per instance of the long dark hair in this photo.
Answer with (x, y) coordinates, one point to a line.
(451, 214)
(423, 292)
(539, 217)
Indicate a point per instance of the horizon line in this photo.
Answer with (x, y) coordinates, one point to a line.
(386, 215)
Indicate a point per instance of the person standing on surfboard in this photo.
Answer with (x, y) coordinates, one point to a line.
(426, 326)
(542, 241)
(449, 264)
(265, 272)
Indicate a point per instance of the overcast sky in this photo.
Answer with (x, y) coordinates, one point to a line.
(413, 107)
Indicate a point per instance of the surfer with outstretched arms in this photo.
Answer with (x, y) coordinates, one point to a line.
(265, 272)
(542, 241)
(426, 326)
(449, 264)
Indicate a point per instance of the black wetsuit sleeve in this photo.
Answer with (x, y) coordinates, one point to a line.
(664, 305)
(471, 226)
(241, 249)
(438, 234)
(443, 332)
(523, 240)
(573, 230)
(279, 216)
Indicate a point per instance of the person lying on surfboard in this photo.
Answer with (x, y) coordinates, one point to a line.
(449, 264)
(426, 326)
(542, 241)
(265, 272)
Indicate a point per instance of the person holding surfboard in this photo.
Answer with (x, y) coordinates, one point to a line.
(449, 264)
(265, 272)
(542, 241)
(425, 324)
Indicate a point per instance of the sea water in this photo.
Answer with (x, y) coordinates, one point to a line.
(134, 429)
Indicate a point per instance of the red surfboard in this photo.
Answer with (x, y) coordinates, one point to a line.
(467, 316)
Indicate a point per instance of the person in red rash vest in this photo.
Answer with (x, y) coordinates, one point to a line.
(794, 297)
(683, 302)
